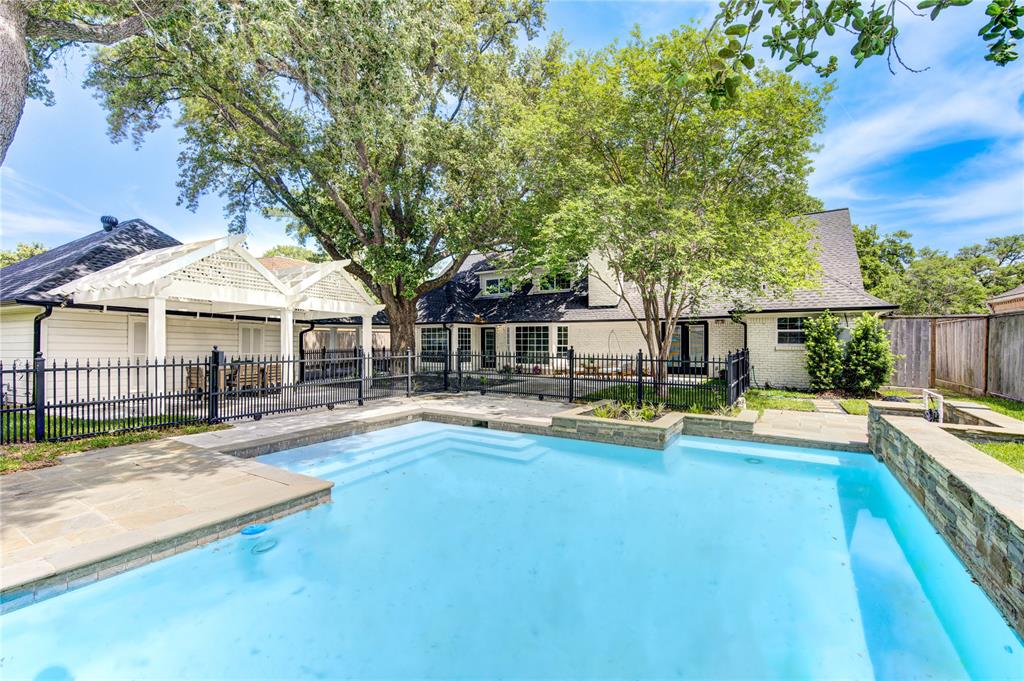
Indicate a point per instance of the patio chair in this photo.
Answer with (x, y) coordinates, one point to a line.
(196, 381)
(272, 377)
(246, 377)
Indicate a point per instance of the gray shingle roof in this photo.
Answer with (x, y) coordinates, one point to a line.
(30, 279)
(841, 288)
(1008, 295)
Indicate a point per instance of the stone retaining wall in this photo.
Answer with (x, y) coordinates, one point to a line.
(973, 500)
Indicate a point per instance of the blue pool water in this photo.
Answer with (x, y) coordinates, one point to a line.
(456, 553)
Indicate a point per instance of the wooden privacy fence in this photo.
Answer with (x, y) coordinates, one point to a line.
(979, 354)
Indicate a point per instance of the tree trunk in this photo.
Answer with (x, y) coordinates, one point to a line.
(14, 70)
(402, 322)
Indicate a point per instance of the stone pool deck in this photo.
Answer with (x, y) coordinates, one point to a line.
(109, 510)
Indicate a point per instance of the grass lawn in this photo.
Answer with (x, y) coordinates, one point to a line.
(854, 406)
(42, 454)
(793, 400)
(1010, 453)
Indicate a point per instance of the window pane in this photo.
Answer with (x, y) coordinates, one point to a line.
(532, 344)
(790, 330)
(434, 342)
(465, 341)
(562, 341)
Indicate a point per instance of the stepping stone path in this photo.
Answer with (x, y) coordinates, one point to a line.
(827, 406)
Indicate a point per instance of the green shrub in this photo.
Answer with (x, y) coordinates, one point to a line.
(868, 358)
(824, 351)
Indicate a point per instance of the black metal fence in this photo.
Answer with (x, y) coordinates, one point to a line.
(46, 401)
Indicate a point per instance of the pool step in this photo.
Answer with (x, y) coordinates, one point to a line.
(487, 443)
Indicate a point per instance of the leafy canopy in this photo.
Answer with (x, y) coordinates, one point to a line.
(296, 253)
(383, 128)
(791, 29)
(687, 202)
(881, 256)
(935, 283)
(22, 251)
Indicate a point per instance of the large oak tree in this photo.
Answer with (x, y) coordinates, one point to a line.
(382, 128)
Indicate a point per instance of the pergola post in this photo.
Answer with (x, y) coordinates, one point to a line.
(366, 342)
(156, 337)
(287, 326)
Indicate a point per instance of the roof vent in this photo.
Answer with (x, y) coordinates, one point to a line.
(109, 223)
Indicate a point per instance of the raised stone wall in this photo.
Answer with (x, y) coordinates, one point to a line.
(974, 501)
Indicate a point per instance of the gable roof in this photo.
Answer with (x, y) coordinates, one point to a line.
(842, 288)
(1008, 295)
(32, 278)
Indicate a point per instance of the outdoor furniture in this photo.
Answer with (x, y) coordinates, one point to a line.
(272, 377)
(245, 377)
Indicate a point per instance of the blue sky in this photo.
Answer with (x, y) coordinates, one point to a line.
(938, 153)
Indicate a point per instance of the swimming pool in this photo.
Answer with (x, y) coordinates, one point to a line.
(453, 552)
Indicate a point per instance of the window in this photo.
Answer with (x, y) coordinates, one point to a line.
(532, 344)
(140, 336)
(434, 343)
(562, 341)
(250, 340)
(790, 330)
(496, 286)
(554, 282)
(466, 342)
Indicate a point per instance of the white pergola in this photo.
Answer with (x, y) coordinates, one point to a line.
(220, 276)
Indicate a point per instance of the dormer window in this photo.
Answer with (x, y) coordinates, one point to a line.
(549, 283)
(495, 286)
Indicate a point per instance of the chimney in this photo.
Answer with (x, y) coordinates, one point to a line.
(603, 287)
(109, 222)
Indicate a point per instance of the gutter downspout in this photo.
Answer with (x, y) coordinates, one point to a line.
(302, 351)
(37, 330)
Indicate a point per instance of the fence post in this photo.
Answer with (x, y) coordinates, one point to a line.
(458, 367)
(572, 375)
(446, 367)
(730, 379)
(213, 407)
(360, 371)
(408, 373)
(39, 396)
(639, 378)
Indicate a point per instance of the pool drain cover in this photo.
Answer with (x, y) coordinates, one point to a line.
(753, 459)
(253, 529)
(263, 546)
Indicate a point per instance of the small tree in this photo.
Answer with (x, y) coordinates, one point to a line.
(868, 358)
(824, 351)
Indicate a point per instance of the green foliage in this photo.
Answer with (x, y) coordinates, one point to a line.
(629, 411)
(934, 283)
(998, 264)
(686, 202)
(881, 256)
(385, 129)
(297, 253)
(824, 351)
(868, 360)
(791, 31)
(22, 251)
